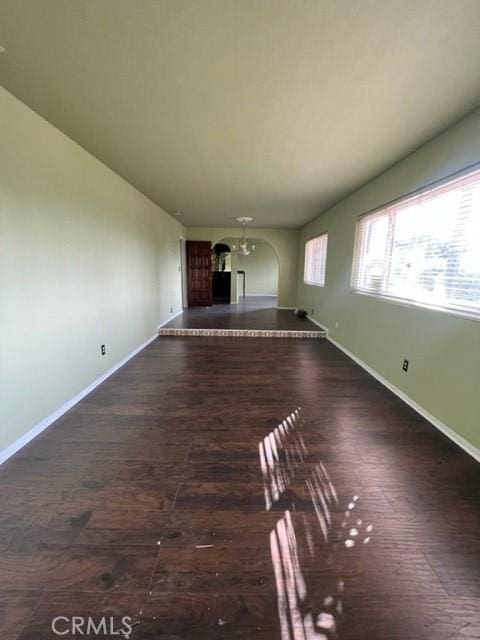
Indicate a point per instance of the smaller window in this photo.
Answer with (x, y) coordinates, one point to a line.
(316, 260)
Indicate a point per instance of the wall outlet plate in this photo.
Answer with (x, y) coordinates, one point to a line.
(405, 365)
(103, 349)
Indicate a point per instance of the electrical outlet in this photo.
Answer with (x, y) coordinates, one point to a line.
(405, 365)
(171, 309)
(336, 325)
(312, 313)
(103, 349)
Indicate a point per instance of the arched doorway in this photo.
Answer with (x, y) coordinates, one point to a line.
(254, 277)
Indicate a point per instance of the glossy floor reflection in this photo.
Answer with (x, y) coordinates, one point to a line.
(191, 493)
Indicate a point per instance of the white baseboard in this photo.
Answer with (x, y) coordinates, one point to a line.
(317, 323)
(468, 447)
(46, 422)
(288, 308)
(175, 315)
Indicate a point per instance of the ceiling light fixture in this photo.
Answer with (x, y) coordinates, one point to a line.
(242, 247)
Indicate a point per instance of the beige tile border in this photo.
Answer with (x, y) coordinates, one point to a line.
(242, 333)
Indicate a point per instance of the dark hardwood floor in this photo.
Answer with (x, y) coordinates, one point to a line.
(171, 496)
(253, 312)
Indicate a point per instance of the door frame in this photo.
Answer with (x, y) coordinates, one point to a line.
(183, 270)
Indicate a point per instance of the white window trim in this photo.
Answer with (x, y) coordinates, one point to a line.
(417, 305)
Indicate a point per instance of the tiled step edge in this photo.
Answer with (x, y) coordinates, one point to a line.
(242, 333)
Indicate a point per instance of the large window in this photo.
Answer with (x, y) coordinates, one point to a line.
(316, 260)
(424, 249)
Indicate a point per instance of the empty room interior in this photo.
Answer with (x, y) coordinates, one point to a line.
(240, 319)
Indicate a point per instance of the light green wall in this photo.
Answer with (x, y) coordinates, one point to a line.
(444, 350)
(85, 260)
(283, 241)
(261, 269)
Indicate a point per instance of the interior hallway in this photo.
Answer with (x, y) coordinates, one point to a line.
(147, 500)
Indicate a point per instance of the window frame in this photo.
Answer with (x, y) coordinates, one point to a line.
(308, 282)
(403, 302)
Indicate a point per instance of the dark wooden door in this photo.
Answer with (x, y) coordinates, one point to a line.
(199, 273)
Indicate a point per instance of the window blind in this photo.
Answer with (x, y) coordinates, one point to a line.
(316, 260)
(424, 249)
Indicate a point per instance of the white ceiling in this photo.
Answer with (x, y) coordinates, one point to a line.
(221, 108)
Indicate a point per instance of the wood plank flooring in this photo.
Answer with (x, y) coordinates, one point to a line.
(253, 312)
(148, 500)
